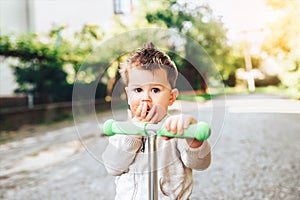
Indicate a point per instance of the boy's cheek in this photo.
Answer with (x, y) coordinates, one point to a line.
(133, 108)
(133, 103)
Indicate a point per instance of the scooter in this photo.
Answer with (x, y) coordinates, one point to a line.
(199, 131)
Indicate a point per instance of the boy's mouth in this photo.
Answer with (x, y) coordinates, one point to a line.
(136, 107)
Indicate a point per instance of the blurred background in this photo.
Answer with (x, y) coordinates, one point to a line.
(46, 48)
(254, 44)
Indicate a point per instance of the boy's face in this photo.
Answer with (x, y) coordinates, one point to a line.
(149, 88)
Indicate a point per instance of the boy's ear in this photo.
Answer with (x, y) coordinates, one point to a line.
(173, 96)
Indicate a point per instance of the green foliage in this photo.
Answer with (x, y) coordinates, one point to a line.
(43, 64)
(47, 65)
(283, 44)
(45, 81)
(196, 21)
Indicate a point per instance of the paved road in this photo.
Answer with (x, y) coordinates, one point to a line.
(255, 155)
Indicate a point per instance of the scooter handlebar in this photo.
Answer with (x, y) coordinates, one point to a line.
(199, 131)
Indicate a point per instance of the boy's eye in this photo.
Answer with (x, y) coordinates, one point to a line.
(138, 90)
(155, 90)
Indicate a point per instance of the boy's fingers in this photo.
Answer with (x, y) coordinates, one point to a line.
(180, 126)
(173, 126)
(151, 114)
(144, 110)
(167, 124)
(138, 111)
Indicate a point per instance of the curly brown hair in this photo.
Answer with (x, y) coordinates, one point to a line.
(150, 58)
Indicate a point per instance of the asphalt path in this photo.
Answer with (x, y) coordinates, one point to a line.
(255, 152)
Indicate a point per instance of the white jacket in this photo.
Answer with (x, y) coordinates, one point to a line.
(123, 158)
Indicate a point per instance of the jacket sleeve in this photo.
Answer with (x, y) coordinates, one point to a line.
(120, 153)
(195, 158)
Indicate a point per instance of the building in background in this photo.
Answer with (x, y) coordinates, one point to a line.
(22, 16)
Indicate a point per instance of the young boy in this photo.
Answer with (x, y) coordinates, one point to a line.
(150, 78)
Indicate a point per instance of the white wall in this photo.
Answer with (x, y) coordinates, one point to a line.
(12, 19)
(42, 15)
(12, 15)
(74, 13)
(7, 79)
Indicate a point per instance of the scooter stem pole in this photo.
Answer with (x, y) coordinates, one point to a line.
(152, 158)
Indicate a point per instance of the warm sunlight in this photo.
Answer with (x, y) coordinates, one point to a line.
(245, 19)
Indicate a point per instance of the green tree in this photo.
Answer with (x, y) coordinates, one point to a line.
(196, 21)
(47, 65)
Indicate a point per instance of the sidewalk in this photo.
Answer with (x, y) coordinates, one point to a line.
(256, 157)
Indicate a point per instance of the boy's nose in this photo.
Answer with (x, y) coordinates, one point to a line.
(146, 97)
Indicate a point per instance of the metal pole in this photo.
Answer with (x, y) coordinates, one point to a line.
(152, 160)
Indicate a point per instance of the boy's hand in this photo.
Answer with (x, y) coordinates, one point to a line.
(177, 123)
(144, 113)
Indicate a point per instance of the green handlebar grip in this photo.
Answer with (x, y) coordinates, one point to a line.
(107, 127)
(199, 131)
(111, 127)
